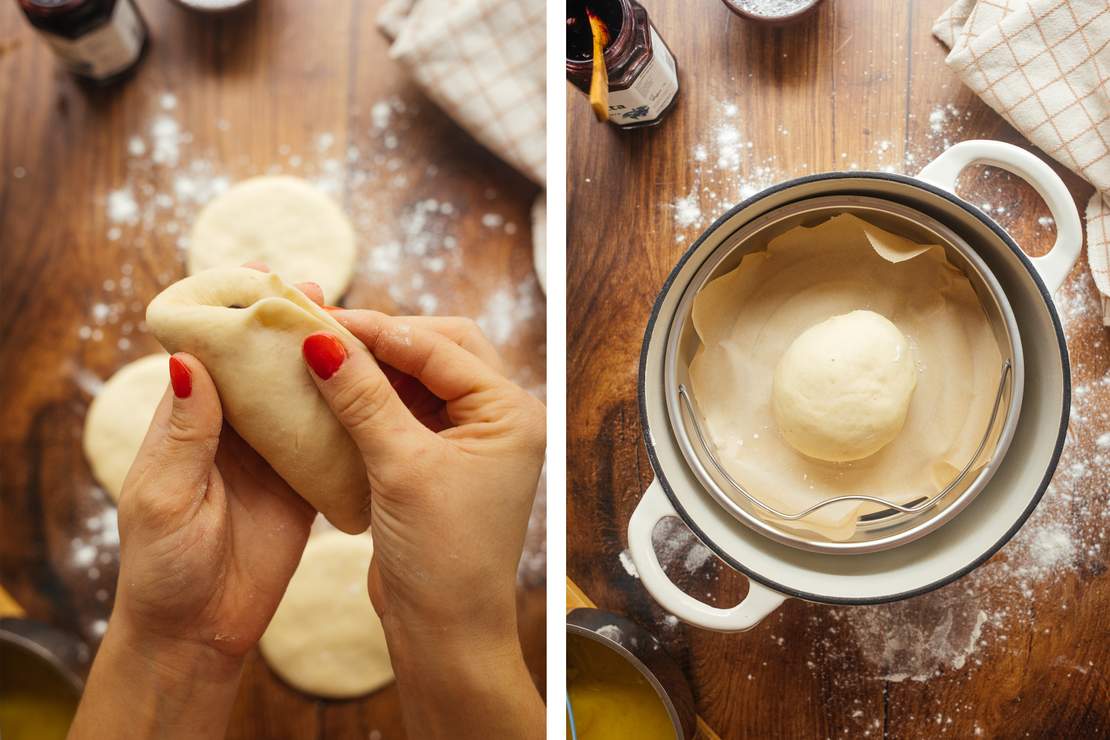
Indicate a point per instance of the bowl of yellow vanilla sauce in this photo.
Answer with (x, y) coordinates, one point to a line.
(40, 683)
(621, 683)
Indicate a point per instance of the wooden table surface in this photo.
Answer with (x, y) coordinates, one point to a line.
(1017, 649)
(97, 187)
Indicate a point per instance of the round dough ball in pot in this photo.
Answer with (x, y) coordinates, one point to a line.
(119, 416)
(286, 222)
(325, 638)
(843, 387)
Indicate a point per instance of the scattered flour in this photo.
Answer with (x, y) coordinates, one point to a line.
(506, 309)
(686, 211)
(675, 544)
(122, 207)
(169, 178)
(93, 554)
(628, 565)
(167, 138)
(943, 631)
(83, 554)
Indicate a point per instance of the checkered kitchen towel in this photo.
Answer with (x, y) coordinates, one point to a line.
(482, 61)
(1044, 65)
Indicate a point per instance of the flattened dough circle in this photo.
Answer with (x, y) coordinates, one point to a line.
(119, 416)
(283, 221)
(325, 638)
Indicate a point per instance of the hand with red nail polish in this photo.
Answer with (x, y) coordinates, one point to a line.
(209, 538)
(453, 451)
(324, 354)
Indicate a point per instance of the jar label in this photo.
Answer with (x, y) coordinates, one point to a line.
(109, 49)
(652, 91)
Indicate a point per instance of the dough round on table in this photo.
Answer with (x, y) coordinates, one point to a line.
(539, 239)
(842, 388)
(325, 638)
(283, 221)
(119, 416)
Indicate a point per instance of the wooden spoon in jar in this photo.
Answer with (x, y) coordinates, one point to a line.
(599, 81)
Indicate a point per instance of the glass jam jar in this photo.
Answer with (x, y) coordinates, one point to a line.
(99, 40)
(643, 75)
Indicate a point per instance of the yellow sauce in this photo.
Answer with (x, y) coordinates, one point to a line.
(611, 700)
(35, 702)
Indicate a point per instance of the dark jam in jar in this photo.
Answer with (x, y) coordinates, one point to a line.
(100, 40)
(643, 75)
(580, 39)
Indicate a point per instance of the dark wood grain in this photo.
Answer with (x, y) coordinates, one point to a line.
(852, 85)
(275, 76)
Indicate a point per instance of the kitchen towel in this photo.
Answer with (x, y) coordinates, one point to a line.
(482, 61)
(1044, 66)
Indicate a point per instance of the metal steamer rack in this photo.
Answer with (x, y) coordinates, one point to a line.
(885, 523)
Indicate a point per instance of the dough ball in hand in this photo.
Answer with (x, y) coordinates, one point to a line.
(842, 388)
(247, 328)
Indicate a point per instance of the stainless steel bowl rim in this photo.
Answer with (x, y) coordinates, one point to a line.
(28, 639)
(1017, 253)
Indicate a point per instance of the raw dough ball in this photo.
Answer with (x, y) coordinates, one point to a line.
(282, 221)
(842, 388)
(247, 327)
(119, 416)
(325, 638)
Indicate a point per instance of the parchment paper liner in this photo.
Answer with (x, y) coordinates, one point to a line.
(747, 318)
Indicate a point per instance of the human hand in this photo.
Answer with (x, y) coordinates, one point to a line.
(209, 534)
(209, 538)
(453, 451)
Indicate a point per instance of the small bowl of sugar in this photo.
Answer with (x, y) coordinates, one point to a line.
(213, 7)
(772, 12)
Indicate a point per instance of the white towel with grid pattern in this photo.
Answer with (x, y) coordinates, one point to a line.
(1044, 65)
(482, 61)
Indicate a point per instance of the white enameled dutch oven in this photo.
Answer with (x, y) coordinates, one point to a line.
(1003, 495)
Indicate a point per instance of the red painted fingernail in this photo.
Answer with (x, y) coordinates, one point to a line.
(324, 353)
(180, 378)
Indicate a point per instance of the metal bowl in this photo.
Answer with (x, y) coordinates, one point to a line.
(643, 652)
(58, 654)
(66, 655)
(878, 530)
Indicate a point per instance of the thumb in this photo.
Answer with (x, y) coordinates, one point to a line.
(361, 397)
(190, 432)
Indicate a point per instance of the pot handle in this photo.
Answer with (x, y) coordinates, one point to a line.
(1054, 266)
(759, 602)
